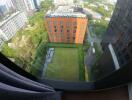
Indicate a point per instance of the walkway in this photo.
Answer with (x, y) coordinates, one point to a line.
(47, 61)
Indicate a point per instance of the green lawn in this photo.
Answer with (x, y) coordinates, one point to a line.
(65, 65)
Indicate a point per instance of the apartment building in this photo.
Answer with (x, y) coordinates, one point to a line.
(117, 42)
(26, 6)
(11, 25)
(64, 25)
(6, 6)
(119, 33)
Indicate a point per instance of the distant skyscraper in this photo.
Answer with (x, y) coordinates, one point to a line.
(24, 5)
(30, 5)
(19, 5)
(66, 26)
(6, 6)
(7, 3)
(37, 3)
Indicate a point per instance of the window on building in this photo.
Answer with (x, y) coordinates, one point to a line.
(55, 30)
(73, 38)
(61, 30)
(61, 22)
(75, 27)
(74, 31)
(55, 27)
(68, 31)
(55, 23)
(74, 23)
(68, 38)
(68, 24)
(61, 26)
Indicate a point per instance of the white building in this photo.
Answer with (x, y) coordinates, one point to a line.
(6, 6)
(63, 2)
(27, 6)
(11, 25)
(7, 3)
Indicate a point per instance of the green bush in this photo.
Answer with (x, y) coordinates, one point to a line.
(81, 64)
(39, 59)
(9, 52)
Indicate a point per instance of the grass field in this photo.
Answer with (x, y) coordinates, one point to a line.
(64, 65)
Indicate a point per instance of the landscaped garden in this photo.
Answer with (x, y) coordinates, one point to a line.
(28, 46)
(66, 64)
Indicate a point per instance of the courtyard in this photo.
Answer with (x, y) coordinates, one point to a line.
(64, 65)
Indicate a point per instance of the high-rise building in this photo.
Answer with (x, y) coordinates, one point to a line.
(119, 33)
(24, 5)
(20, 5)
(11, 25)
(66, 26)
(117, 43)
(6, 6)
(30, 5)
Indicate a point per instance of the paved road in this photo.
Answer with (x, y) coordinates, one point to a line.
(92, 38)
(90, 58)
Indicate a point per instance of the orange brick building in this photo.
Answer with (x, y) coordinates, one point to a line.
(66, 27)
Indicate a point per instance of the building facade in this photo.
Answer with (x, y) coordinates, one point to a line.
(66, 26)
(26, 6)
(118, 39)
(119, 32)
(6, 7)
(11, 25)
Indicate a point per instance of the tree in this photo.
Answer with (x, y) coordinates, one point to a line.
(100, 28)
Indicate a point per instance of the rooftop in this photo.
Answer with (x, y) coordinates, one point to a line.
(65, 11)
